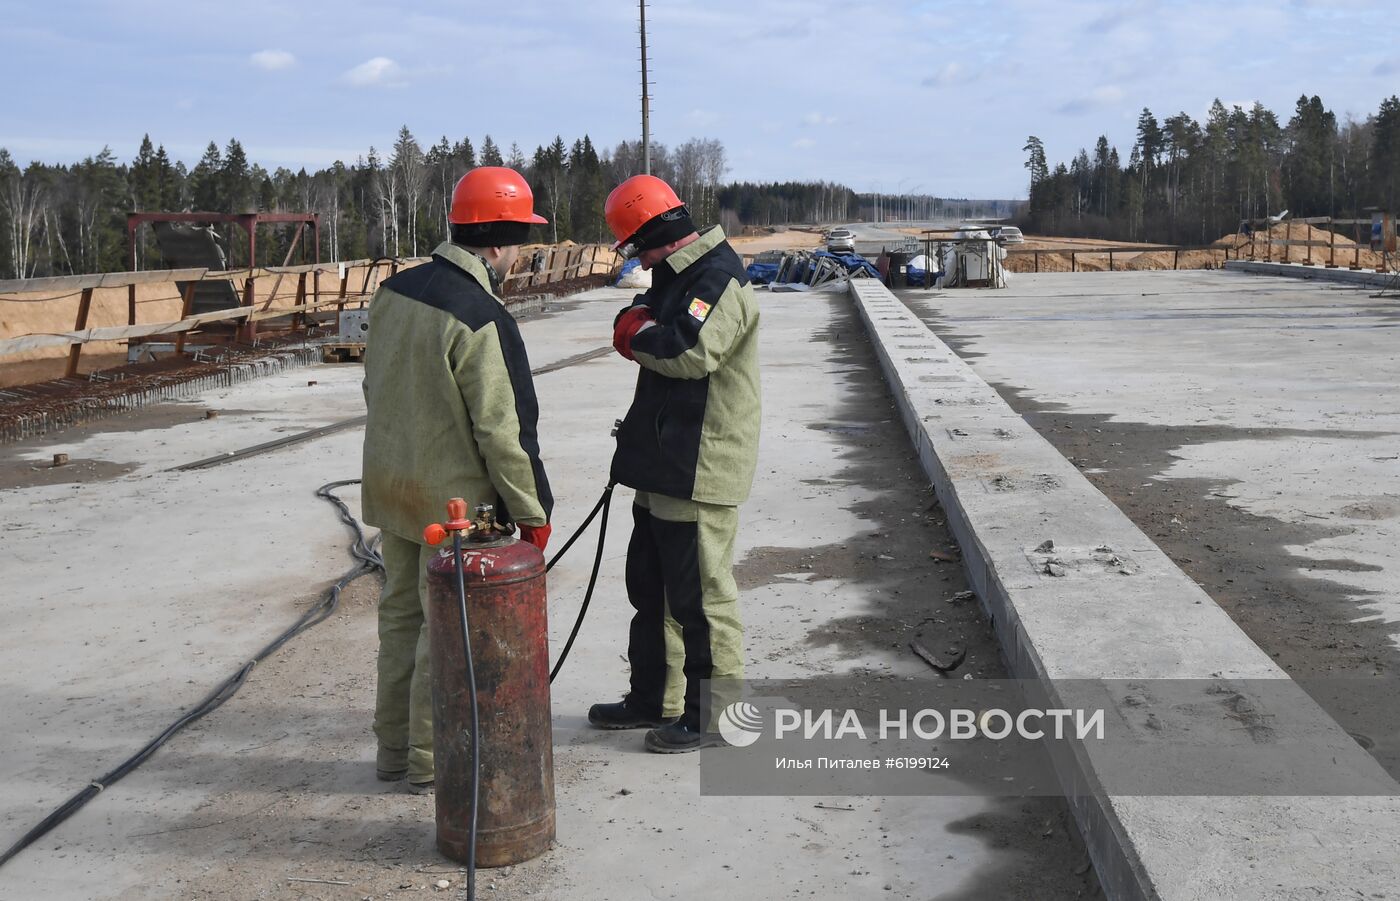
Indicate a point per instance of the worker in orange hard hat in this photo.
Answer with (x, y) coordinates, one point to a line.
(452, 413)
(689, 445)
(645, 213)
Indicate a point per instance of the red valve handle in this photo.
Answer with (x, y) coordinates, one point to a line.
(436, 533)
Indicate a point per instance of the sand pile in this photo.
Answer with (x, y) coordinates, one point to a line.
(1266, 245)
(1327, 246)
(1049, 262)
(1126, 260)
(1155, 259)
(1166, 259)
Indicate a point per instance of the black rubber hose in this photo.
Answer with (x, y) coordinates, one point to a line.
(583, 527)
(364, 551)
(605, 505)
(476, 721)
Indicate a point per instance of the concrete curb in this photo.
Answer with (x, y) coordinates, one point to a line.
(1360, 277)
(1005, 491)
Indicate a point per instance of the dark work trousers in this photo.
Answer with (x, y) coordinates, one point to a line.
(686, 642)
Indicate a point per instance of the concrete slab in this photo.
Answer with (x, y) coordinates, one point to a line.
(1008, 491)
(132, 590)
(1249, 424)
(1367, 277)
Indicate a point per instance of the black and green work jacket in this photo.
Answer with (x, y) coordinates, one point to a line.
(452, 408)
(692, 429)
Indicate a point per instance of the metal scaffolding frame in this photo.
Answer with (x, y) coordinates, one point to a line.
(249, 223)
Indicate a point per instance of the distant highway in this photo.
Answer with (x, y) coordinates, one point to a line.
(871, 238)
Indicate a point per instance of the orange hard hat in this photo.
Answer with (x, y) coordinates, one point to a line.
(636, 202)
(493, 194)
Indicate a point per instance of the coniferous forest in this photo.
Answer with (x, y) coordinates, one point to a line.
(1188, 182)
(70, 219)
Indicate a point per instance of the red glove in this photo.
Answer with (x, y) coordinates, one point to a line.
(536, 535)
(628, 324)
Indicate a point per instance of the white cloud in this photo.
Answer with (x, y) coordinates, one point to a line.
(378, 72)
(818, 119)
(804, 143)
(272, 60)
(950, 74)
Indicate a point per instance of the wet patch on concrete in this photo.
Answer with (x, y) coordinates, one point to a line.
(909, 565)
(1017, 828)
(1305, 621)
(26, 463)
(1313, 626)
(151, 416)
(854, 429)
(29, 474)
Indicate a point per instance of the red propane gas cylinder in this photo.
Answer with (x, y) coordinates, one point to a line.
(506, 607)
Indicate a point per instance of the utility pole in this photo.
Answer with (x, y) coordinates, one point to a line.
(646, 103)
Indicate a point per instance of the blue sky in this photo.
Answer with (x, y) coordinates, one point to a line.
(928, 96)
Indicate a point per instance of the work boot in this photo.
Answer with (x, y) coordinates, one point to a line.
(622, 715)
(421, 788)
(390, 766)
(679, 737)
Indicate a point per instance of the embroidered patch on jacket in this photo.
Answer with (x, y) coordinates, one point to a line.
(699, 309)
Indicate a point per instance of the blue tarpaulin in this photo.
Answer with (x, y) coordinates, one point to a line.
(917, 276)
(626, 268)
(852, 262)
(762, 273)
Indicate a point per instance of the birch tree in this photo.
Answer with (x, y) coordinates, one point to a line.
(410, 175)
(23, 200)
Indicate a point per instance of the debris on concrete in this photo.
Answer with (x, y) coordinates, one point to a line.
(812, 269)
(942, 666)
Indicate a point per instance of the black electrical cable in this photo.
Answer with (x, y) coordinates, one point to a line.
(366, 551)
(605, 505)
(363, 550)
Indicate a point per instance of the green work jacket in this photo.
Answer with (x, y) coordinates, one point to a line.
(452, 408)
(692, 430)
